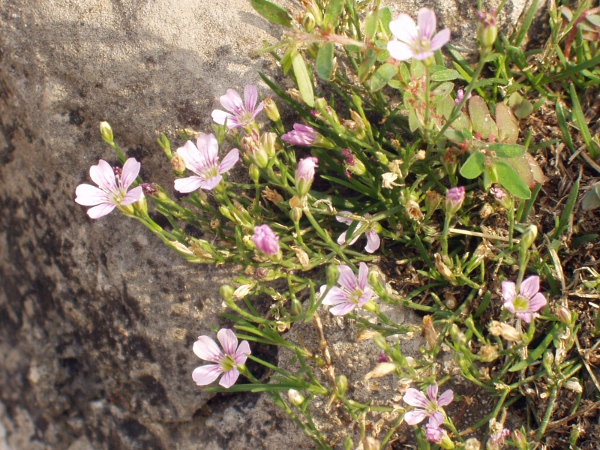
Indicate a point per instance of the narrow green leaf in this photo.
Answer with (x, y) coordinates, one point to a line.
(510, 179)
(445, 75)
(303, 79)
(564, 127)
(366, 65)
(272, 12)
(324, 62)
(579, 119)
(536, 354)
(507, 150)
(382, 75)
(526, 23)
(563, 223)
(473, 166)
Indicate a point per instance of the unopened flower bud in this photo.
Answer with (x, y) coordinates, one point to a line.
(564, 315)
(178, 164)
(371, 306)
(254, 173)
(432, 202)
(305, 174)
(382, 158)
(528, 237)
(472, 444)
(296, 398)
(380, 341)
(226, 292)
(520, 440)
(457, 335)
(353, 164)
(574, 385)
(454, 199)
(266, 241)
(547, 361)
(308, 22)
(487, 29)
(296, 214)
(332, 274)
(506, 331)
(106, 132)
(271, 110)
(341, 383)
(489, 353)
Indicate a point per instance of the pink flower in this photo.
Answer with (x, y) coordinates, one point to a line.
(352, 292)
(112, 189)
(301, 135)
(433, 429)
(305, 174)
(242, 113)
(454, 199)
(203, 161)
(266, 241)
(460, 94)
(225, 363)
(373, 241)
(527, 301)
(415, 41)
(429, 406)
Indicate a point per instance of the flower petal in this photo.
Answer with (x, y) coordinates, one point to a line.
(440, 39)
(509, 291)
(373, 241)
(525, 316)
(363, 276)
(426, 22)
(415, 398)
(334, 296)
(343, 219)
(189, 184)
(211, 183)
(432, 392)
(347, 279)
(341, 240)
(250, 97)
(130, 171)
(242, 352)
(341, 309)
(222, 117)
(405, 29)
(229, 378)
(436, 419)
(133, 196)
(204, 375)
(446, 398)
(228, 341)
(101, 210)
(229, 161)
(415, 416)
(232, 101)
(399, 50)
(208, 146)
(530, 286)
(510, 307)
(88, 195)
(537, 302)
(194, 160)
(207, 349)
(104, 176)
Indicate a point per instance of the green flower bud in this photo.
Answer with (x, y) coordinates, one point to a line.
(271, 110)
(296, 398)
(332, 274)
(254, 173)
(520, 440)
(106, 132)
(341, 383)
(380, 342)
(226, 292)
(528, 237)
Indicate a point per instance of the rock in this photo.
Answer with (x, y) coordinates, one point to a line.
(98, 318)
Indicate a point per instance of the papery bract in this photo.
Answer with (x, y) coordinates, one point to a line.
(242, 112)
(416, 41)
(112, 190)
(203, 160)
(527, 302)
(225, 362)
(352, 291)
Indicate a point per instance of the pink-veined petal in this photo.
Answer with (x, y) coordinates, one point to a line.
(363, 276)
(399, 50)
(373, 241)
(436, 419)
(242, 352)
(426, 22)
(104, 176)
(341, 240)
(365, 297)
(88, 195)
(229, 378)
(347, 279)
(415, 416)
(525, 316)
(334, 296)
(250, 97)
(207, 349)
(440, 39)
(130, 171)
(228, 341)
(133, 196)
(208, 146)
(204, 375)
(509, 291)
(346, 220)
(101, 210)
(232, 101)
(537, 302)
(189, 184)
(432, 392)
(530, 286)
(229, 161)
(413, 397)
(423, 55)
(258, 109)
(194, 160)
(405, 29)
(221, 117)
(446, 398)
(211, 183)
(341, 309)
(510, 307)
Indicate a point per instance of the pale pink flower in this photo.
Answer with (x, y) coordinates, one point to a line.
(416, 41)
(352, 292)
(373, 240)
(460, 94)
(112, 190)
(433, 429)
(429, 406)
(301, 135)
(266, 241)
(241, 112)
(454, 199)
(527, 302)
(204, 162)
(305, 174)
(225, 362)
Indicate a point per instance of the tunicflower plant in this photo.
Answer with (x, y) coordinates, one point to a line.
(352, 291)
(225, 362)
(242, 112)
(527, 302)
(430, 406)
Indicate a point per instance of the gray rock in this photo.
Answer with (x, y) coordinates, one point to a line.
(97, 318)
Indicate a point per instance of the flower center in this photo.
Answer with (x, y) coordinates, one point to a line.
(355, 296)
(209, 172)
(521, 304)
(227, 363)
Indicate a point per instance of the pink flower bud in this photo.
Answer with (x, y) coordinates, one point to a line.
(300, 135)
(305, 174)
(454, 199)
(265, 240)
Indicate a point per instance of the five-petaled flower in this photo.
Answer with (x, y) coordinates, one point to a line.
(242, 112)
(352, 292)
(527, 302)
(226, 362)
(204, 162)
(373, 240)
(430, 406)
(112, 190)
(416, 41)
